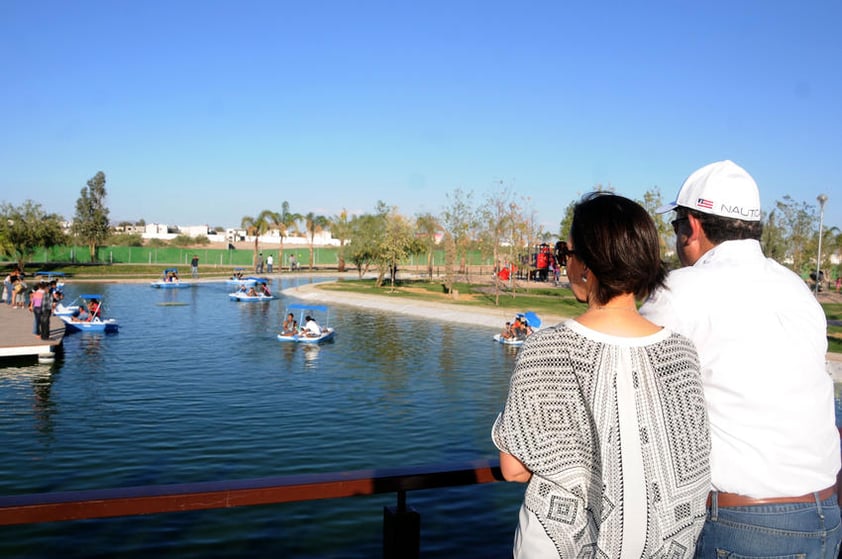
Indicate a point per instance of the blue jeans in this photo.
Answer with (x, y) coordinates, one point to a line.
(785, 531)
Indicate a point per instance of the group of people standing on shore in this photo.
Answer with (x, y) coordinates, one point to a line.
(40, 301)
(269, 264)
(15, 288)
(701, 424)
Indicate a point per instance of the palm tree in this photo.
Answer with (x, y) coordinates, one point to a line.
(340, 228)
(258, 226)
(314, 224)
(286, 222)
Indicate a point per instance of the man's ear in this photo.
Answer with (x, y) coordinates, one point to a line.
(697, 239)
(695, 226)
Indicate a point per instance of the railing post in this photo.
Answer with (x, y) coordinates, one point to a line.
(401, 531)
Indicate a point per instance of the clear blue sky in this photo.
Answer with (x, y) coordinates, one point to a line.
(205, 111)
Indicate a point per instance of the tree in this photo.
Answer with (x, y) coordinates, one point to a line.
(525, 231)
(501, 217)
(25, 228)
(795, 222)
(340, 229)
(314, 224)
(773, 239)
(834, 248)
(366, 232)
(427, 227)
(567, 220)
(286, 221)
(90, 224)
(184, 240)
(258, 226)
(831, 243)
(126, 240)
(459, 220)
(652, 201)
(397, 243)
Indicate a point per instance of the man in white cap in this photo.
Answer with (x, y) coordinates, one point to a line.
(762, 342)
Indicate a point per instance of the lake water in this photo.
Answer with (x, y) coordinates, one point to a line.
(196, 388)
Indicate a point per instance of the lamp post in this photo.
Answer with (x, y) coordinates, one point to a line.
(822, 198)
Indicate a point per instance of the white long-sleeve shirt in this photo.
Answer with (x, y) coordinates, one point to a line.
(762, 342)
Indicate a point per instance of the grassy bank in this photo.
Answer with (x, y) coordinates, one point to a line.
(538, 297)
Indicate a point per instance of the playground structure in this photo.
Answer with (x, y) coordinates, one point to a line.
(544, 262)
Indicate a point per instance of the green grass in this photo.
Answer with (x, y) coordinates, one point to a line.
(833, 311)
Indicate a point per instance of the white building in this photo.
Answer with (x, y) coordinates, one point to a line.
(273, 237)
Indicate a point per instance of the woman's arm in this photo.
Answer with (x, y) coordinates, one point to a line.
(513, 469)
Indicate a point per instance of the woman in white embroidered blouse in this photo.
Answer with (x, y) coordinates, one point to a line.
(605, 418)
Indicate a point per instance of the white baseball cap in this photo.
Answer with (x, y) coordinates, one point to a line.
(722, 188)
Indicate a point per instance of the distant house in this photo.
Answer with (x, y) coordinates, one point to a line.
(194, 230)
(129, 229)
(158, 229)
(235, 235)
(273, 237)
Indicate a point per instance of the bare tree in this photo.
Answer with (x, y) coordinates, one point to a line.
(500, 218)
(459, 220)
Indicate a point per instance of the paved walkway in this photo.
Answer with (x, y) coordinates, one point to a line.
(16, 337)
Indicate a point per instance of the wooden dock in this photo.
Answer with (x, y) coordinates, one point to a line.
(17, 339)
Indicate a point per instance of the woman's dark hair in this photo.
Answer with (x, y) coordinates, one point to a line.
(617, 240)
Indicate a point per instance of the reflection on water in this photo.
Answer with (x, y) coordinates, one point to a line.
(195, 387)
(37, 379)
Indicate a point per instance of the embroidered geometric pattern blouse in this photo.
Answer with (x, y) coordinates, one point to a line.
(561, 420)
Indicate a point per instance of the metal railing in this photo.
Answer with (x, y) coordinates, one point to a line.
(401, 524)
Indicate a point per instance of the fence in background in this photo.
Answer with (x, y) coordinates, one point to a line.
(219, 257)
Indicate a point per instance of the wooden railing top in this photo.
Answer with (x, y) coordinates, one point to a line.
(128, 501)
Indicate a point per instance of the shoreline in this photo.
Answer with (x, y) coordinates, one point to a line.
(486, 317)
(490, 318)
